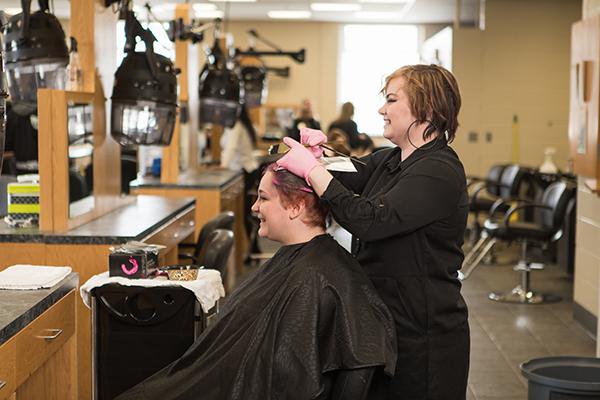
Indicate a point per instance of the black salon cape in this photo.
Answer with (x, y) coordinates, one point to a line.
(307, 311)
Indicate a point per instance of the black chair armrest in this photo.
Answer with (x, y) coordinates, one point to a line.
(518, 207)
(352, 384)
(477, 187)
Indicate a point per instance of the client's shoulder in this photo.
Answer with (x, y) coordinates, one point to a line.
(324, 257)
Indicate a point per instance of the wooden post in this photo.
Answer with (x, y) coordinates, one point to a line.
(170, 159)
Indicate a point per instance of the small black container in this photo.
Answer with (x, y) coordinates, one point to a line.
(563, 378)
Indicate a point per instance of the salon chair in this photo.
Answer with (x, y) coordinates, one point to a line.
(515, 183)
(224, 220)
(483, 192)
(217, 252)
(546, 229)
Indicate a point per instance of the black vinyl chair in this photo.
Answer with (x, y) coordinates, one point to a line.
(483, 192)
(547, 228)
(515, 183)
(217, 251)
(224, 220)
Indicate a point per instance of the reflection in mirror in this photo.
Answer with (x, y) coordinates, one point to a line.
(81, 182)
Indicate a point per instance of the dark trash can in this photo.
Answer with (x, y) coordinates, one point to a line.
(563, 378)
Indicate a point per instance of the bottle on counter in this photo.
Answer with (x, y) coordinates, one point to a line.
(74, 71)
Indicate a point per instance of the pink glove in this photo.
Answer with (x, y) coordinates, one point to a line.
(313, 138)
(298, 160)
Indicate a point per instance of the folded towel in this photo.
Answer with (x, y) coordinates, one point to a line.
(31, 277)
(208, 286)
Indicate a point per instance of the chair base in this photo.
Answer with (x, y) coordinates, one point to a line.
(521, 296)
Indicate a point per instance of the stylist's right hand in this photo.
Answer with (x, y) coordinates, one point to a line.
(313, 138)
(298, 160)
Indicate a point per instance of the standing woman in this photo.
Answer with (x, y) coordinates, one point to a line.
(407, 211)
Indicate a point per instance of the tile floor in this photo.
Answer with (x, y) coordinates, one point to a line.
(505, 335)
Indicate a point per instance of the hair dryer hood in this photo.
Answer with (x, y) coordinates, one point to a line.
(220, 91)
(255, 85)
(35, 59)
(144, 108)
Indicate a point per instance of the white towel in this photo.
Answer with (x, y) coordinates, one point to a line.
(32, 277)
(208, 287)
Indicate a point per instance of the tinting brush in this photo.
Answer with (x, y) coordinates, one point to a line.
(279, 149)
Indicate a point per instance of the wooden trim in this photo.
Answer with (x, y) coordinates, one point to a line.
(60, 160)
(45, 159)
(82, 29)
(170, 157)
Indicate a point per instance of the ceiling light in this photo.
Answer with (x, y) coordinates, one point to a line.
(163, 8)
(36, 56)
(289, 14)
(335, 7)
(378, 15)
(204, 7)
(233, 1)
(386, 1)
(208, 14)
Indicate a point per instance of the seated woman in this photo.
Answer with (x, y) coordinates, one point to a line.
(304, 314)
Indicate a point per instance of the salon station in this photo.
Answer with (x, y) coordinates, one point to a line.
(134, 136)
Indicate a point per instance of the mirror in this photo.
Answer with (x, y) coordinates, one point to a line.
(81, 155)
(276, 120)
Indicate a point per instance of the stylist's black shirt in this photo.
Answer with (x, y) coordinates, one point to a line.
(407, 220)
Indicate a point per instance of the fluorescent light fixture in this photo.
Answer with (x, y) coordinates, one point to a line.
(377, 15)
(289, 14)
(386, 1)
(209, 14)
(163, 8)
(335, 7)
(204, 7)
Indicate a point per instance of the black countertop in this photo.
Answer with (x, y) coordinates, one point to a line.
(20, 307)
(132, 222)
(209, 179)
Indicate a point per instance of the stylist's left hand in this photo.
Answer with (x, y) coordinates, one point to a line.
(298, 160)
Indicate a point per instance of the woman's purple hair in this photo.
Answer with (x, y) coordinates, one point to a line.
(292, 190)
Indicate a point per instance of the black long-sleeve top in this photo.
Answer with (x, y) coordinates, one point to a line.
(407, 220)
(350, 128)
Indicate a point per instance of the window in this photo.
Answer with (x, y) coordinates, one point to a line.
(368, 54)
(163, 46)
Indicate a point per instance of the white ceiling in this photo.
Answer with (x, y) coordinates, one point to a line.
(373, 11)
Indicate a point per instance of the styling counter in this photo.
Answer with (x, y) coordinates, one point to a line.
(215, 191)
(38, 348)
(150, 219)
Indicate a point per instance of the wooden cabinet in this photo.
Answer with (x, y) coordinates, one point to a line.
(8, 381)
(39, 362)
(584, 108)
